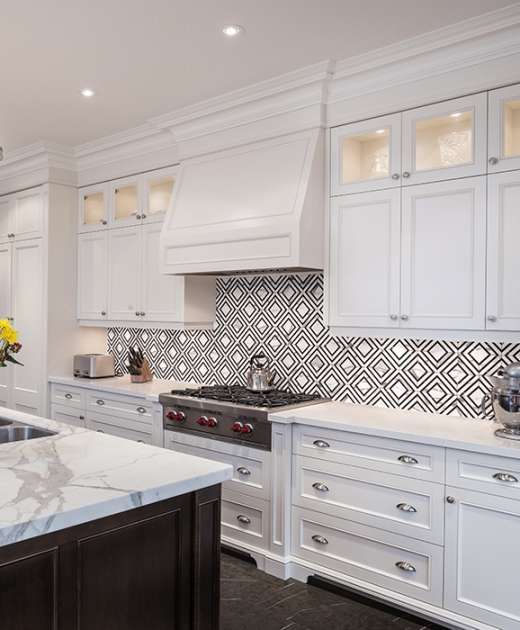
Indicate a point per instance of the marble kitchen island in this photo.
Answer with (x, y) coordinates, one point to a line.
(93, 527)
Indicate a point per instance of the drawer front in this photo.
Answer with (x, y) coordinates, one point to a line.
(249, 475)
(103, 425)
(483, 473)
(135, 409)
(405, 506)
(68, 396)
(245, 519)
(410, 567)
(384, 454)
(68, 415)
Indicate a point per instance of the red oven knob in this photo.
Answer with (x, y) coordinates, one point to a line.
(212, 422)
(247, 428)
(177, 416)
(237, 427)
(203, 421)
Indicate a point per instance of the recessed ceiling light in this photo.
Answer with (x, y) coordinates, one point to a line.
(87, 93)
(231, 30)
(456, 115)
(380, 130)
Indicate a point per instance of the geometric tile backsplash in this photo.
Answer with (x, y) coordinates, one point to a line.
(282, 316)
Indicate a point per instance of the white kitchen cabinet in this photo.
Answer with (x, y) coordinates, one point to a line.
(124, 273)
(482, 557)
(445, 140)
(93, 208)
(159, 293)
(5, 312)
(156, 191)
(366, 155)
(504, 129)
(443, 252)
(124, 202)
(92, 288)
(503, 259)
(6, 218)
(27, 308)
(364, 259)
(68, 415)
(22, 215)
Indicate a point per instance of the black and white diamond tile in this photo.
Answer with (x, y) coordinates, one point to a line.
(282, 316)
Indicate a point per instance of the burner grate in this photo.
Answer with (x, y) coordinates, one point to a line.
(242, 396)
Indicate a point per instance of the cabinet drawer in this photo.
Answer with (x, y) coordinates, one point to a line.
(68, 415)
(484, 473)
(135, 409)
(411, 567)
(405, 506)
(69, 396)
(245, 519)
(384, 454)
(104, 424)
(250, 475)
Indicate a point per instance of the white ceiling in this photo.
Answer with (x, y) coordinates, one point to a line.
(148, 57)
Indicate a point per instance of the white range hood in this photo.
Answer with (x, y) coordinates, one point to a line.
(258, 207)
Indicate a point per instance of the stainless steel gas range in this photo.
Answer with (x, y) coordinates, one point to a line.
(230, 413)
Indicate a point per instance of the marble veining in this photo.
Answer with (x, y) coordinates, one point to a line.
(79, 475)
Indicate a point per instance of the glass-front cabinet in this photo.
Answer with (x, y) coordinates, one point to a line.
(504, 129)
(366, 155)
(157, 188)
(125, 202)
(93, 208)
(444, 141)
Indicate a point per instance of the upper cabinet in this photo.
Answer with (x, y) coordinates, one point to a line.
(366, 155)
(504, 129)
(22, 216)
(125, 202)
(445, 140)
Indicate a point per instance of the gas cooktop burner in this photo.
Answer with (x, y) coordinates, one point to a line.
(240, 395)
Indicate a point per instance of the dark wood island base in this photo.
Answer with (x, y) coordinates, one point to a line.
(151, 568)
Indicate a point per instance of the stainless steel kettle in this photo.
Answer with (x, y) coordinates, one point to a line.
(505, 400)
(259, 375)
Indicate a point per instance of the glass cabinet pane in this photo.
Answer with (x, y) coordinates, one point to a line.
(159, 193)
(444, 141)
(93, 208)
(126, 202)
(511, 119)
(365, 156)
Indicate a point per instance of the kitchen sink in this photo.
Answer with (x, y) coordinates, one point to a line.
(16, 432)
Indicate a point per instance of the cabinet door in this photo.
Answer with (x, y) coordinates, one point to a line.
(504, 129)
(92, 275)
(366, 155)
(93, 208)
(364, 259)
(6, 218)
(157, 188)
(5, 311)
(68, 415)
(29, 320)
(124, 273)
(443, 263)
(503, 261)
(161, 294)
(125, 202)
(482, 558)
(28, 215)
(445, 140)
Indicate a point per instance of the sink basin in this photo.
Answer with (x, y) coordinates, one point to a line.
(5, 423)
(22, 432)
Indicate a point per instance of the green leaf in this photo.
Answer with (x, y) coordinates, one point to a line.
(12, 360)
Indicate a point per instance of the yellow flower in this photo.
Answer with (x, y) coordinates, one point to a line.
(7, 332)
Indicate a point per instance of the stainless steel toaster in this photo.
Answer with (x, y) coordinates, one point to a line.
(93, 365)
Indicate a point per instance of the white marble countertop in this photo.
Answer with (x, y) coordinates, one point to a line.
(470, 434)
(77, 475)
(123, 385)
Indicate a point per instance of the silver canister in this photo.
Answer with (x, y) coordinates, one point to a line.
(505, 400)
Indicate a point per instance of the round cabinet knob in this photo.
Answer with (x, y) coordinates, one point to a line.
(247, 428)
(393, 317)
(138, 217)
(404, 318)
(103, 313)
(68, 396)
(212, 422)
(395, 176)
(406, 174)
(141, 410)
(137, 313)
(493, 161)
(202, 421)
(103, 222)
(450, 499)
(143, 216)
(237, 427)
(491, 318)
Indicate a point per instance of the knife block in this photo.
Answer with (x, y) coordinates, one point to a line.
(145, 376)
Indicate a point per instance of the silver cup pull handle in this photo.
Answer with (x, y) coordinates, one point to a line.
(406, 507)
(501, 476)
(245, 520)
(242, 470)
(321, 444)
(405, 566)
(321, 540)
(320, 487)
(407, 459)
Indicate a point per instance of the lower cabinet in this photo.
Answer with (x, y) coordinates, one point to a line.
(482, 557)
(153, 567)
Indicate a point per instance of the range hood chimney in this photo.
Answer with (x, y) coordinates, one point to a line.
(254, 208)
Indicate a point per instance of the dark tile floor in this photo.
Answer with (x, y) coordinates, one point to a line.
(253, 600)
